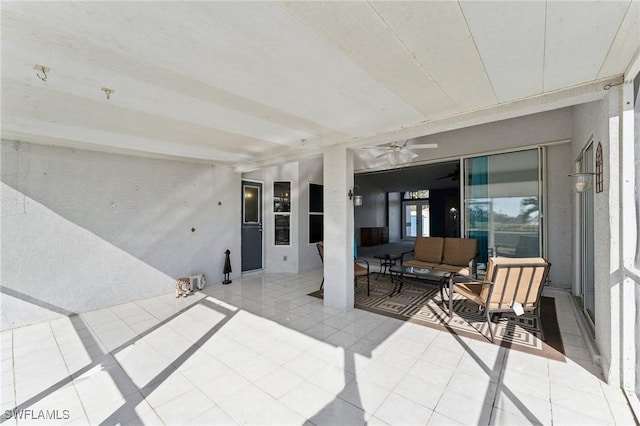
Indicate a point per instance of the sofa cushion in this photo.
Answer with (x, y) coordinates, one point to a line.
(458, 251)
(428, 249)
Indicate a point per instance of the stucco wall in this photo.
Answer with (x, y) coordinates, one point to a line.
(83, 230)
(310, 171)
(591, 122)
(280, 258)
(559, 212)
(518, 132)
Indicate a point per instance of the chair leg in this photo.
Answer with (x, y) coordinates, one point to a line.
(368, 286)
(540, 323)
(489, 323)
(322, 283)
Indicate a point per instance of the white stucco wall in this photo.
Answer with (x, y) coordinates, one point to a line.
(518, 132)
(310, 171)
(559, 214)
(280, 258)
(591, 122)
(83, 230)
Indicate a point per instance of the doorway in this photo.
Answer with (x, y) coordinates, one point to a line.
(587, 284)
(415, 218)
(251, 236)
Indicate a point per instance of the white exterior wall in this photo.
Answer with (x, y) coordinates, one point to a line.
(310, 171)
(591, 121)
(518, 132)
(274, 256)
(559, 211)
(83, 230)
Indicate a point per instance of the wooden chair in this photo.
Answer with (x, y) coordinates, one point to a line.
(509, 282)
(360, 268)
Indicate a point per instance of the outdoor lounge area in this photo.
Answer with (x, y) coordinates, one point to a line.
(261, 351)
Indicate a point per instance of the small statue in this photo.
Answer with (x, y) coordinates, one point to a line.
(183, 287)
(227, 268)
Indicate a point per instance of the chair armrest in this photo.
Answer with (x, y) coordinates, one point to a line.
(402, 255)
(362, 261)
(461, 279)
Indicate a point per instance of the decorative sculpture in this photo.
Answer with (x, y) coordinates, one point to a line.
(227, 268)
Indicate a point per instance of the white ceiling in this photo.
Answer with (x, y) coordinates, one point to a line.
(251, 83)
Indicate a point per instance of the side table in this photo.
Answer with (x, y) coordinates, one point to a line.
(386, 261)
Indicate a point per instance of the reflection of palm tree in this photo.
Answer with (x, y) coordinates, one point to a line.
(528, 206)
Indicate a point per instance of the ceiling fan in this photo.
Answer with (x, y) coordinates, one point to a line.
(455, 175)
(395, 153)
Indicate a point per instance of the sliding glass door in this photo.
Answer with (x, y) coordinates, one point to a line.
(586, 237)
(502, 204)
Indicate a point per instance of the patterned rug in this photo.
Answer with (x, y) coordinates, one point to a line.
(422, 304)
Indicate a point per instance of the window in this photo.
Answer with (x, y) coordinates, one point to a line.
(282, 212)
(502, 203)
(415, 214)
(417, 195)
(316, 213)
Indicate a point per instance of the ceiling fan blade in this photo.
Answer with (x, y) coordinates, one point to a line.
(423, 146)
(403, 156)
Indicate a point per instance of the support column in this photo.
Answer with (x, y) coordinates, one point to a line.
(338, 229)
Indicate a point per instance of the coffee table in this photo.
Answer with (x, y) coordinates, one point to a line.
(423, 274)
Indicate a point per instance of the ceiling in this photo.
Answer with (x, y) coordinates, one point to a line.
(248, 84)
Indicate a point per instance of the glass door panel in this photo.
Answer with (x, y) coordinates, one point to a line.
(586, 204)
(424, 218)
(502, 203)
(410, 221)
(416, 219)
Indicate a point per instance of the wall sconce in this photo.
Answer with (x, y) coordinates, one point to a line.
(581, 181)
(357, 199)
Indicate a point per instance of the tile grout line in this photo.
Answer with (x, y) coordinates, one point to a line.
(75, 389)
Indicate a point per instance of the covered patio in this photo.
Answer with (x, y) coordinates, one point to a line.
(141, 144)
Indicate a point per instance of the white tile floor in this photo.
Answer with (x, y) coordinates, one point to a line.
(262, 352)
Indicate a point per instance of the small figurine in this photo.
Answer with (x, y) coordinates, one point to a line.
(183, 287)
(227, 268)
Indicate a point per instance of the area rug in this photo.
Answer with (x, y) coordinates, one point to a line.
(422, 304)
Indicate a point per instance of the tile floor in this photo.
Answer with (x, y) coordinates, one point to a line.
(262, 352)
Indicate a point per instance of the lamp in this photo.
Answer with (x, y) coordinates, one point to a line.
(581, 180)
(357, 199)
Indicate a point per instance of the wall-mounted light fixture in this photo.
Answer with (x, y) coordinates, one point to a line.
(581, 181)
(357, 199)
